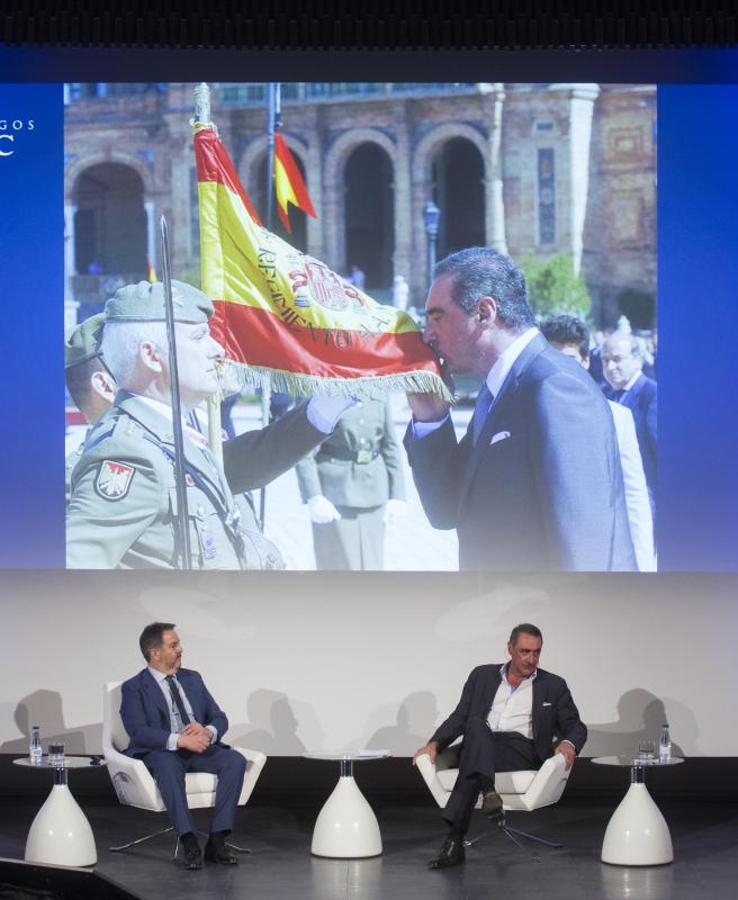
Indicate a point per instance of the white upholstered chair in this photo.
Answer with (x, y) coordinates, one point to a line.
(135, 785)
(524, 790)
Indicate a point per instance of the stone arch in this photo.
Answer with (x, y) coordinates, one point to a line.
(424, 154)
(431, 143)
(255, 149)
(78, 166)
(333, 169)
(250, 171)
(458, 189)
(110, 221)
(369, 222)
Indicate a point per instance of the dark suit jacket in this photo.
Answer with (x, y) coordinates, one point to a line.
(641, 401)
(548, 493)
(145, 713)
(554, 714)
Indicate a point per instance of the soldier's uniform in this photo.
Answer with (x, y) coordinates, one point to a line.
(82, 345)
(124, 512)
(358, 468)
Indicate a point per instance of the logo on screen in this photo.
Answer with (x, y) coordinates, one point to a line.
(9, 128)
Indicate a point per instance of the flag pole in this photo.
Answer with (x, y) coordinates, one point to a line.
(274, 104)
(183, 520)
(215, 432)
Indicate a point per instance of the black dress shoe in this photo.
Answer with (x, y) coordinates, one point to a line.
(492, 806)
(191, 851)
(217, 852)
(452, 853)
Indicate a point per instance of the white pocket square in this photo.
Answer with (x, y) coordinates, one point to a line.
(546, 703)
(500, 436)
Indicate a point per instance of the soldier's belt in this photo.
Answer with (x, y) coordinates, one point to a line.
(362, 457)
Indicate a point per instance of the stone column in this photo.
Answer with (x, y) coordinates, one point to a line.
(581, 99)
(314, 181)
(422, 192)
(151, 254)
(70, 268)
(493, 98)
(402, 259)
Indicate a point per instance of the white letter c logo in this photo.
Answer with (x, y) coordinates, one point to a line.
(7, 137)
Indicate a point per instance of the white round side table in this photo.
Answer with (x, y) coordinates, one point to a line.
(637, 833)
(346, 827)
(60, 835)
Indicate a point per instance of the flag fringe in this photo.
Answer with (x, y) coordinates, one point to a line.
(300, 385)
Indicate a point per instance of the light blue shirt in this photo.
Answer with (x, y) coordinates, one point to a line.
(175, 720)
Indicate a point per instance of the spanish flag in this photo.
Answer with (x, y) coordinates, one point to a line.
(284, 317)
(288, 184)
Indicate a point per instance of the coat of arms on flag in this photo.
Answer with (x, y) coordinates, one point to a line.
(287, 319)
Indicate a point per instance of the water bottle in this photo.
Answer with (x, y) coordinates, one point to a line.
(35, 750)
(665, 744)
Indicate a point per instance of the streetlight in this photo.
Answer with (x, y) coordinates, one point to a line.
(431, 215)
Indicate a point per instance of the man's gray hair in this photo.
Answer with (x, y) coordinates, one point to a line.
(483, 272)
(121, 342)
(634, 343)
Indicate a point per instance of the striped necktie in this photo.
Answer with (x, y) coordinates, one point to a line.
(482, 407)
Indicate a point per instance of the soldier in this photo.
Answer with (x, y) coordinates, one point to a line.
(352, 484)
(123, 511)
(90, 384)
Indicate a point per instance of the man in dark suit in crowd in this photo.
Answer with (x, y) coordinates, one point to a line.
(175, 726)
(622, 364)
(536, 482)
(512, 716)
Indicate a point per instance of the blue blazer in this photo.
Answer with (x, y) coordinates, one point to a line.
(145, 713)
(542, 489)
(641, 401)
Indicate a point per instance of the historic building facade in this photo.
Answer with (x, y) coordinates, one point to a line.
(534, 170)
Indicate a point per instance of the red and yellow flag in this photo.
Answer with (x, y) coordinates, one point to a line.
(151, 272)
(288, 184)
(285, 317)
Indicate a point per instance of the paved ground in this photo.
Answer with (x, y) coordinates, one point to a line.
(411, 543)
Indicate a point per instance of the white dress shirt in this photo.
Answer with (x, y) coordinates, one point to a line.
(175, 720)
(512, 708)
(495, 379)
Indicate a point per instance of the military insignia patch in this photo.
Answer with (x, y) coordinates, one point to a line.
(113, 480)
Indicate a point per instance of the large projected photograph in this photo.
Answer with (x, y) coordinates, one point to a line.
(415, 326)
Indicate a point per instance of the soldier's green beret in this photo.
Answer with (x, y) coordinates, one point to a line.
(83, 343)
(144, 302)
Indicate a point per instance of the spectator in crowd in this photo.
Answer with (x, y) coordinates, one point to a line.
(622, 363)
(570, 335)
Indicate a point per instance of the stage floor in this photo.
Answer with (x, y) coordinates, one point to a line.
(705, 836)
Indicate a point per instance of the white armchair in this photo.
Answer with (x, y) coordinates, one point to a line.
(134, 784)
(525, 790)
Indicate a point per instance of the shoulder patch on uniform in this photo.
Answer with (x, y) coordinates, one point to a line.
(114, 479)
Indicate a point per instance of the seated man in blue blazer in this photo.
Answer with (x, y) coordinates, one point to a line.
(512, 716)
(175, 727)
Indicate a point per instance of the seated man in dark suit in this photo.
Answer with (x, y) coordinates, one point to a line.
(510, 716)
(175, 726)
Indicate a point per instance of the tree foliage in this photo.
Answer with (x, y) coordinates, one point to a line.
(553, 286)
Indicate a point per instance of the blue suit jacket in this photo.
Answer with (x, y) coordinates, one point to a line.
(641, 401)
(542, 489)
(145, 713)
